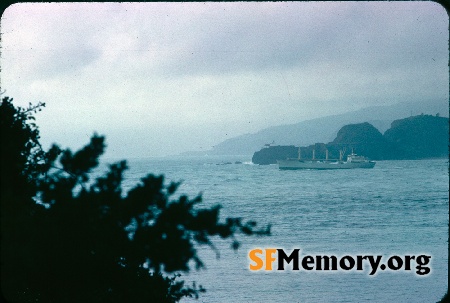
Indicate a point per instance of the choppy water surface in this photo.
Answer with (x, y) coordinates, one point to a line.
(398, 207)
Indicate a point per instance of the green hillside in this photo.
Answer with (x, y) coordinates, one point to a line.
(417, 137)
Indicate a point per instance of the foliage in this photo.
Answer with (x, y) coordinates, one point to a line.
(85, 240)
(21, 152)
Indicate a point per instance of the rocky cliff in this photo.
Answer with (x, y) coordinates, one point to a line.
(417, 137)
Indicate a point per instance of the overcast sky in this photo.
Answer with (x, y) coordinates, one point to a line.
(163, 78)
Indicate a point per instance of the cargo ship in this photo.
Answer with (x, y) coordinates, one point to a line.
(353, 161)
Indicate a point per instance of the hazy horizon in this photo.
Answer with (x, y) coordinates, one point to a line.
(165, 78)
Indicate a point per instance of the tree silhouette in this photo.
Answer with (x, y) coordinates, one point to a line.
(69, 238)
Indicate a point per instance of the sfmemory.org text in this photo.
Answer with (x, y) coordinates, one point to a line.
(263, 259)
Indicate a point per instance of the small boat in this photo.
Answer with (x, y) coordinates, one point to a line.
(353, 161)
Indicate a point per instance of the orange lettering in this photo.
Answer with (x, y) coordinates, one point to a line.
(258, 262)
(269, 258)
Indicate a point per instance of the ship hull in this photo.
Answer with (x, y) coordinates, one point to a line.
(302, 164)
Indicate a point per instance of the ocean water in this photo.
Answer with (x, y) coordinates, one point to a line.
(396, 208)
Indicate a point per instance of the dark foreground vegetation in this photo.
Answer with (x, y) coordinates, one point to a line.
(68, 238)
(417, 137)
